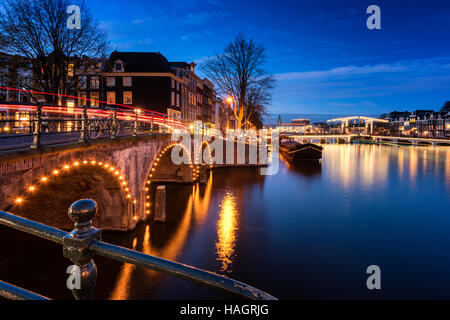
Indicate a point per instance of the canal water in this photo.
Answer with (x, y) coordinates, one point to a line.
(308, 232)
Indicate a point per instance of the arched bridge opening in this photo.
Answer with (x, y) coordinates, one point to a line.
(46, 196)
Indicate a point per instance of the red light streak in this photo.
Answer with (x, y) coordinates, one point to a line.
(74, 97)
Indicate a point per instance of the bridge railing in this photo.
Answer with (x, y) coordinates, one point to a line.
(84, 242)
(37, 125)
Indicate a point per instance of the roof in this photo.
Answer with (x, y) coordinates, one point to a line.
(142, 61)
(183, 65)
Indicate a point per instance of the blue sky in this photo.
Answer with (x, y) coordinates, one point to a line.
(325, 59)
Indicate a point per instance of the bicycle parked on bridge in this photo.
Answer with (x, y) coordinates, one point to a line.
(98, 127)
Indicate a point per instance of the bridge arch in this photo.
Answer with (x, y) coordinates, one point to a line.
(163, 170)
(204, 151)
(45, 195)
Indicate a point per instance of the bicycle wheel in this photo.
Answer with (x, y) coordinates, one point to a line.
(113, 127)
(94, 129)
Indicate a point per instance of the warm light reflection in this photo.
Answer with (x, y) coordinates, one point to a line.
(226, 231)
(173, 247)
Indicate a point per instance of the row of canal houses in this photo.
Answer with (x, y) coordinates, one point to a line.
(145, 80)
(419, 123)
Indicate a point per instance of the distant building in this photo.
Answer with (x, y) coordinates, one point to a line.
(186, 71)
(143, 80)
(419, 123)
(300, 126)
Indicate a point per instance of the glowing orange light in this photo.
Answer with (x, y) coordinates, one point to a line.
(31, 188)
(44, 179)
(19, 200)
(55, 171)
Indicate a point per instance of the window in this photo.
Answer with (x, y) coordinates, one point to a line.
(127, 81)
(83, 81)
(111, 97)
(110, 81)
(82, 101)
(173, 83)
(127, 97)
(70, 70)
(173, 99)
(94, 99)
(95, 83)
(178, 100)
(118, 66)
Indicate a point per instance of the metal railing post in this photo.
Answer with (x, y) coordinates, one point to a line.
(76, 247)
(164, 124)
(113, 131)
(37, 128)
(151, 125)
(83, 136)
(136, 122)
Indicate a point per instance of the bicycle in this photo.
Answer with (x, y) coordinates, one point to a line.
(98, 127)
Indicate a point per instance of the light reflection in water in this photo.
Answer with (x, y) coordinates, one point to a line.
(195, 204)
(226, 231)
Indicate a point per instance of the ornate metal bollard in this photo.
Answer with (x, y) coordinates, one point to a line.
(84, 127)
(76, 246)
(37, 128)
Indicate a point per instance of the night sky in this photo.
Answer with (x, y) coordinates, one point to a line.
(324, 57)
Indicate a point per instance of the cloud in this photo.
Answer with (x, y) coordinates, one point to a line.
(340, 72)
(378, 87)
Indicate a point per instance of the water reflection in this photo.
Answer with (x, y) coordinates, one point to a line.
(307, 168)
(226, 231)
(174, 241)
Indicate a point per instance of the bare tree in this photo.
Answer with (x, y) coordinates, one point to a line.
(238, 73)
(60, 57)
(446, 107)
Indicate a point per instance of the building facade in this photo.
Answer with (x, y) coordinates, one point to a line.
(419, 123)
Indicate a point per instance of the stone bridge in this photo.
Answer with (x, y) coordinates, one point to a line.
(120, 174)
(117, 173)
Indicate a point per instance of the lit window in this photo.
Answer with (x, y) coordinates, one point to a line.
(94, 99)
(127, 97)
(111, 97)
(70, 70)
(173, 99)
(127, 81)
(110, 81)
